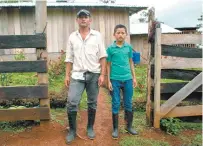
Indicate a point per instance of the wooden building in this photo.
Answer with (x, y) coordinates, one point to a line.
(19, 18)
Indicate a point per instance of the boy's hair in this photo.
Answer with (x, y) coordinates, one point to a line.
(120, 26)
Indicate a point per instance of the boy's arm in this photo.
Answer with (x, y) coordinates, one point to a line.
(133, 72)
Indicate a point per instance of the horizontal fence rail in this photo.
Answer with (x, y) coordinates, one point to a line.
(41, 113)
(181, 39)
(39, 66)
(39, 91)
(22, 41)
(179, 74)
(177, 51)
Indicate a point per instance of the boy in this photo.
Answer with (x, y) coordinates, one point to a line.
(121, 75)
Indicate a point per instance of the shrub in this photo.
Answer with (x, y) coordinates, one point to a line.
(171, 125)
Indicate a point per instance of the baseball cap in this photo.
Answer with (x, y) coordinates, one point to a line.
(83, 12)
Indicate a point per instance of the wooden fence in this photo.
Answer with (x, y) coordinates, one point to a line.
(164, 98)
(39, 91)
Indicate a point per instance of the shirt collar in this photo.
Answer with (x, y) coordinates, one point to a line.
(92, 32)
(115, 45)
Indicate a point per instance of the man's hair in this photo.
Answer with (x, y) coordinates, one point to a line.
(120, 26)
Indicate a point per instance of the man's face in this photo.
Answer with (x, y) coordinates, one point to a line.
(83, 21)
(120, 34)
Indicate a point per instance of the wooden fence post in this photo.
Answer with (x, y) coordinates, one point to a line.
(148, 105)
(157, 77)
(41, 23)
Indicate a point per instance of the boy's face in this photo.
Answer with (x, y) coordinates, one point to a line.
(84, 21)
(120, 34)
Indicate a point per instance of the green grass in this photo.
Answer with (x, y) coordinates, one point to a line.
(16, 79)
(191, 126)
(141, 76)
(19, 79)
(57, 84)
(193, 141)
(138, 141)
(139, 121)
(171, 81)
(55, 113)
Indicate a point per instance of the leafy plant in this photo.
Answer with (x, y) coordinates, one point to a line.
(171, 125)
(5, 79)
(20, 56)
(57, 68)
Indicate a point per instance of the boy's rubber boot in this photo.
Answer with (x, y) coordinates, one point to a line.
(90, 124)
(115, 126)
(72, 124)
(129, 120)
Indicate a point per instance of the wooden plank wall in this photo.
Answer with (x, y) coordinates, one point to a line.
(60, 23)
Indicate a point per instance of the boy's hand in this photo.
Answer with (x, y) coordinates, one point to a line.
(67, 81)
(134, 83)
(110, 86)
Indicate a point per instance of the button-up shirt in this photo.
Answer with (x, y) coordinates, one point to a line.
(85, 54)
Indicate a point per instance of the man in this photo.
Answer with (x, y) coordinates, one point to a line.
(86, 58)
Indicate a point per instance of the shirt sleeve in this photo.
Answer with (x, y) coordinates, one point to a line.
(69, 51)
(108, 55)
(102, 50)
(130, 52)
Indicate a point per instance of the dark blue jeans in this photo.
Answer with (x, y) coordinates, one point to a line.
(127, 87)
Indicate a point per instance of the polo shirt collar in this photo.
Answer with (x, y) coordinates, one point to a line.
(115, 45)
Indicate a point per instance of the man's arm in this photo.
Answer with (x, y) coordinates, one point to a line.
(68, 73)
(102, 62)
(69, 62)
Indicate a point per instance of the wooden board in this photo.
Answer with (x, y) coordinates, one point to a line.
(157, 76)
(170, 39)
(11, 92)
(184, 111)
(24, 114)
(174, 87)
(23, 66)
(22, 41)
(193, 97)
(181, 94)
(179, 74)
(181, 51)
(180, 63)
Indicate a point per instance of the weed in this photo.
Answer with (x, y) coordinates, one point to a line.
(138, 141)
(171, 125)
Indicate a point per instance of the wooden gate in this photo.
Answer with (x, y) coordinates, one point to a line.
(39, 91)
(163, 66)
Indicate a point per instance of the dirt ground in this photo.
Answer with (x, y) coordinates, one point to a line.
(53, 134)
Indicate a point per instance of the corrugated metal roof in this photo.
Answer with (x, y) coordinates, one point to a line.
(142, 28)
(65, 4)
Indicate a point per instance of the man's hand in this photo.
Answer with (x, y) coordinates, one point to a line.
(101, 80)
(67, 81)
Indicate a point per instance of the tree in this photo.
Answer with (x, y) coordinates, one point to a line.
(143, 17)
(200, 21)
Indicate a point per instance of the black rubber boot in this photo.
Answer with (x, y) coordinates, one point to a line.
(90, 124)
(129, 120)
(115, 126)
(72, 124)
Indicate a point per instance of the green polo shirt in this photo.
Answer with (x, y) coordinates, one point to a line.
(119, 58)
